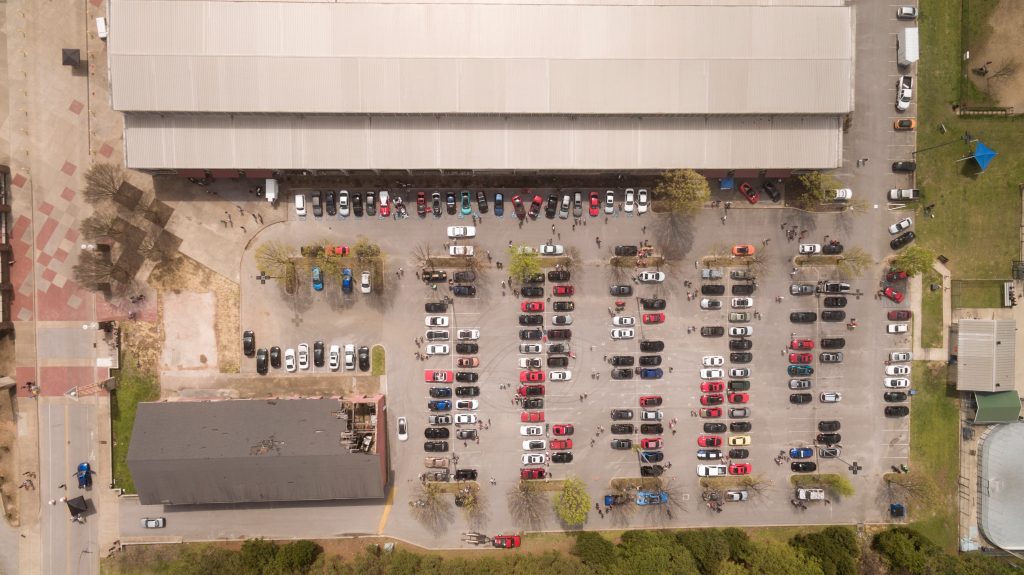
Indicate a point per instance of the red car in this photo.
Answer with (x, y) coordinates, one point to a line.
(650, 401)
(709, 441)
(531, 473)
(385, 207)
(711, 412)
(801, 344)
(531, 376)
(743, 250)
(563, 429)
(739, 397)
(531, 390)
(337, 250)
(563, 290)
(894, 295)
(595, 204)
(712, 386)
(651, 443)
(438, 376)
(517, 205)
(801, 358)
(533, 306)
(535, 206)
(509, 541)
(654, 318)
(560, 444)
(531, 416)
(895, 276)
(739, 469)
(421, 203)
(750, 193)
(899, 315)
(714, 399)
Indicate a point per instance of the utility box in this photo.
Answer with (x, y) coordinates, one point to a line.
(907, 49)
(101, 28)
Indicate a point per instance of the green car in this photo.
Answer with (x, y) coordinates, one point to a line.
(739, 385)
(800, 370)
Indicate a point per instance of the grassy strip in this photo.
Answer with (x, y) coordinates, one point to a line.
(980, 293)
(133, 386)
(455, 486)
(378, 360)
(836, 484)
(931, 310)
(643, 483)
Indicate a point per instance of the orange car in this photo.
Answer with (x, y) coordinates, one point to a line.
(743, 250)
(905, 124)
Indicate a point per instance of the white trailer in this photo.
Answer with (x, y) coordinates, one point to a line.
(907, 49)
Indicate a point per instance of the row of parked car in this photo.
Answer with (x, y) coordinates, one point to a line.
(343, 204)
(335, 357)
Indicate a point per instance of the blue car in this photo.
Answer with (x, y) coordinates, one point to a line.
(800, 370)
(499, 205)
(467, 207)
(318, 278)
(440, 405)
(346, 280)
(801, 452)
(651, 456)
(651, 497)
(651, 373)
(84, 475)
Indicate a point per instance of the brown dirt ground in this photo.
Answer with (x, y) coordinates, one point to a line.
(8, 435)
(1006, 43)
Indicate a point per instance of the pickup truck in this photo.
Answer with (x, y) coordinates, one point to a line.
(904, 92)
(898, 195)
(810, 494)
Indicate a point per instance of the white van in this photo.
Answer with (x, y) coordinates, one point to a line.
(300, 205)
(271, 190)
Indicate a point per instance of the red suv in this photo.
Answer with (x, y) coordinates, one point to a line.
(560, 444)
(714, 399)
(895, 276)
(531, 390)
(531, 376)
(563, 290)
(711, 412)
(595, 204)
(651, 443)
(531, 473)
(535, 207)
(563, 429)
(531, 416)
(894, 295)
(654, 318)
(899, 315)
(712, 386)
(739, 469)
(801, 358)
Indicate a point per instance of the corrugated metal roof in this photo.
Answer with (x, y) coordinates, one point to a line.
(985, 354)
(155, 141)
(280, 57)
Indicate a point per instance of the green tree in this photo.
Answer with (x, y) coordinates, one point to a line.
(257, 555)
(852, 263)
(914, 260)
(365, 250)
(593, 549)
(652, 552)
(905, 550)
(771, 558)
(522, 265)
(572, 503)
(740, 546)
(708, 547)
(834, 547)
(297, 556)
(682, 191)
(817, 189)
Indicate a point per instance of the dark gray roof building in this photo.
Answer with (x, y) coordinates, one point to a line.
(239, 451)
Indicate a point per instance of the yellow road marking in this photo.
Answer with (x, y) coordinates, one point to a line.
(387, 511)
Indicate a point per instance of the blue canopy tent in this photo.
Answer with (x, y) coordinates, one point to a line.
(983, 155)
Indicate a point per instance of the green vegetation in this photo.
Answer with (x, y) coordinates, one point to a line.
(572, 503)
(907, 551)
(836, 484)
(522, 265)
(378, 360)
(914, 260)
(931, 310)
(817, 189)
(933, 446)
(682, 191)
(978, 293)
(133, 386)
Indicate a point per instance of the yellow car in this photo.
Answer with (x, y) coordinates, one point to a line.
(739, 440)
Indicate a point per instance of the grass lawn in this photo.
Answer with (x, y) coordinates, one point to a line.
(934, 426)
(377, 360)
(133, 386)
(974, 213)
(981, 293)
(931, 310)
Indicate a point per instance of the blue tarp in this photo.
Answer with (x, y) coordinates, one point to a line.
(983, 155)
(725, 184)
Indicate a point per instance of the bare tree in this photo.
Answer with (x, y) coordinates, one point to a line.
(756, 483)
(155, 250)
(422, 254)
(102, 224)
(910, 486)
(431, 507)
(96, 272)
(528, 503)
(1005, 71)
(102, 182)
(852, 263)
(473, 504)
(275, 259)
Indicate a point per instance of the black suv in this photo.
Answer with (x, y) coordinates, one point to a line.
(625, 250)
(561, 457)
(652, 304)
(357, 204)
(894, 396)
(835, 301)
(742, 289)
(318, 353)
(739, 454)
(531, 319)
(465, 277)
(828, 426)
(652, 429)
(332, 207)
(563, 306)
(467, 376)
(436, 307)
(833, 315)
(552, 206)
(712, 331)
(559, 275)
(740, 344)
(436, 433)
(712, 289)
(364, 358)
(530, 334)
(741, 357)
(622, 428)
(833, 343)
(902, 240)
(620, 414)
(558, 361)
(621, 290)
(904, 166)
(249, 343)
(464, 291)
(650, 360)
(435, 446)
(554, 334)
(800, 398)
(532, 291)
(828, 438)
(533, 403)
(467, 391)
(650, 345)
(481, 201)
(740, 426)
(467, 348)
(803, 317)
(623, 360)
(803, 466)
(465, 475)
(622, 373)
(714, 428)
(261, 361)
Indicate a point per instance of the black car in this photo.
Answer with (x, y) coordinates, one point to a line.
(619, 290)
(626, 250)
(435, 446)
(894, 396)
(622, 428)
(828, 426)
(835, 301)
(434, 276)
(803, 317)
(437, 433)
(740, 344)
(740, 426)
(650, 345)
(559, 275)
(364, 358)
(652, 304)
(904, 166)
(651, 470)
(530, 334)
(833, 343)
(435, 307)
(620, 414)
(371, 203)
(712, 331)
(742, 289)
(555, 334)
(464, 291)
(532, 291)
(741, 357)
(652, 429)
(465, 475)
(803, 466)
(467, 376)
(552, 206)
(622, 373)
(800, 398)
(464, 277)
(828, 438)
(739, 385)
(832, 248)
(650, 360)
(563, 306)
(440, 392)
(714, 428)
(622, 360)
(261, 361)
(833, 315)
(533, 403)
(739, 453)
(897, 411)
(621, 444)
(435, 204)
(712, 289)
(249, 343)
(481, 201)
(450, 203)
(558, 348)
(318, 353)
(531, 319)
(772, 191)
(275, 357)
(561, 457)
(467, 391)
(332, 206)
(318, 205)
(902, 240)
(467, 348)
(558, 361)
(357, 204)
(537, 278)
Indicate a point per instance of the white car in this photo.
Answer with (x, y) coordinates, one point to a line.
(531, 430)
(609, 202)
(897, 328)
(742, 302)
(529, 348)
(897, 382)
(343, 208)
(535, 445)
(712, 360)
(350, 357)
(334, 358)
(465, 419)
(436, 321)
(739, 372)
(642, 201)
(437, 349)
(564, 375)
(364, 282)
(534, 458)
(461, 251)
(843, 195)
(630, 201)
(551, 250)
(745, 331)
(289, 359)
(712, 374)
(651, 277)
(530, 362)
(737, 495)
(467, 404)
(651, 415)
(461, 231)
(897, 370)
(467, 334)
(711, 470)
(154, 522)
(382, 197)
(830, 397)
(900, 226)
(300, 205)
(564, 207)
(906, 13)
(623, 320)
(403, 429)
(303, 356)
(623, 333)
(900, 356)
(708, 303)
(810, 249)
(561, 320)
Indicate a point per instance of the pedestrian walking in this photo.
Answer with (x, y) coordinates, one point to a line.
(723, 219)
(597, 506)
(417, 274)
(243, 229)
(552, 228)
(671, 369)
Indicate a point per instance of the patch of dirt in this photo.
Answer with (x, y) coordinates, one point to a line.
(144, 340)
(311, 386)
(8, 474)
(1001, 51)
(185, 274)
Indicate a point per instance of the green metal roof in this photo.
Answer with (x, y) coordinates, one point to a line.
(998, 407)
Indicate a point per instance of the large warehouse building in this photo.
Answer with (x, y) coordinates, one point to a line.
(558, 86)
